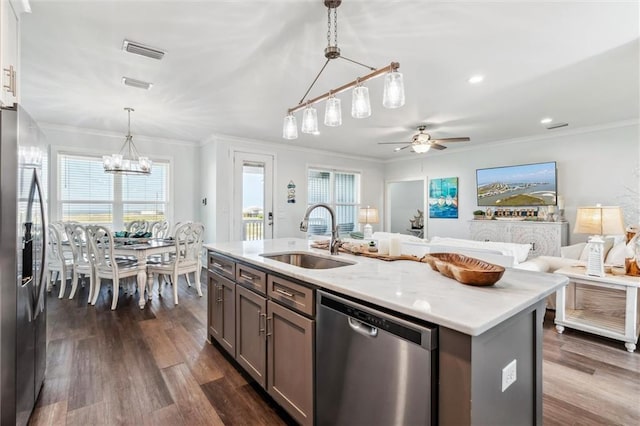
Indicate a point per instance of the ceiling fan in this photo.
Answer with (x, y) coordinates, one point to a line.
(421, 142)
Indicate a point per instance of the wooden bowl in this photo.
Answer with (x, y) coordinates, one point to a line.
(464, 269)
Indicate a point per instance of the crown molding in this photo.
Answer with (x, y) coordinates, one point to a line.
(281, 146)
(554, 135)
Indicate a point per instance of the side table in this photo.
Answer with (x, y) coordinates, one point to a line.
(571, 314)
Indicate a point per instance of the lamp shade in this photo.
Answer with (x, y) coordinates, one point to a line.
(393, 95)
(333, 112)
(290, 127)
(310, 120)
(368, 215)
(360, 105)
(599, 220)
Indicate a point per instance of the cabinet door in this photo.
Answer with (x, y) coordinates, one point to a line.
(251, 318)
(487, 230)
(290, 356)
(8, 53)
(222, 311)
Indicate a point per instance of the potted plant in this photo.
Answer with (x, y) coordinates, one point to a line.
(478, 214)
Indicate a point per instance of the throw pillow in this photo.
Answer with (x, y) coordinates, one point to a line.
(617, 254)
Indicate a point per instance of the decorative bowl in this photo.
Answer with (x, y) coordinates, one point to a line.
(464, 269)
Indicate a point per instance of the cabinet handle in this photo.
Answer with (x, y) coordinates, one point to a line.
(533, 246)
(269, 333)
(11, 73)
(220, 297)
(218, 266)
(247, 277)
(260, 328)
(285, 293)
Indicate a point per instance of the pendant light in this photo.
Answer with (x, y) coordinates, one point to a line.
(127, 161)
(393, 96)
(361, 106)
(310, 120)
(333, 112)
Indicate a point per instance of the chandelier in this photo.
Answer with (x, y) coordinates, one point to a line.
(393, 95)
(128, 161)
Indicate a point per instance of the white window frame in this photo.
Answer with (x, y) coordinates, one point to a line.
(55, 205)
(332, 189)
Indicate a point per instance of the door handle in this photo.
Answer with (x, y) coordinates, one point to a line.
(362, 328)
(260, 322)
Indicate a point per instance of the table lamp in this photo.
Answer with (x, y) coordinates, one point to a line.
(367, 216)
(598, 220)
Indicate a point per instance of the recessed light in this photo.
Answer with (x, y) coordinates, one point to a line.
(546, 120)
(476, 79)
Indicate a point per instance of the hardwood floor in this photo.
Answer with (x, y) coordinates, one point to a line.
(154, 367)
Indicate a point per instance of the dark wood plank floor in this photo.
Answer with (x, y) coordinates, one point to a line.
(154, 367)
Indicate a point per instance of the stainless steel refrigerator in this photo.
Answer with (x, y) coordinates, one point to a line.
(22, 267)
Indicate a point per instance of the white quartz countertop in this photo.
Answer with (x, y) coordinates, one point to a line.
(409, 287)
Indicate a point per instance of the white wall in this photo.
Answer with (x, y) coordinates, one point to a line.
(183, 157)
(291, 163)
(406, 198)
(595, 166)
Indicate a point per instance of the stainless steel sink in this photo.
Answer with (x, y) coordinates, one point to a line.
(307, 260)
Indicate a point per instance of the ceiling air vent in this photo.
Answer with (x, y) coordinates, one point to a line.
(136, 83)
(556, 126)
(141, 49)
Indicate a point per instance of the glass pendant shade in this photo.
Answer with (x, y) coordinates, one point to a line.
(360, 105)
(290, 127)
(145, 163)
(393, 96)
(310, 120)
(333, 112)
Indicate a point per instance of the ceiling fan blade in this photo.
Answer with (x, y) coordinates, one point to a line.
(400, 149)
(451, 140)
(436, 146)
(391, 143)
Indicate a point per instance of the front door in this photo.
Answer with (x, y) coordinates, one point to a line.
(252, 196)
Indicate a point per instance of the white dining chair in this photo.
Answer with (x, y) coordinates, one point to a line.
(188, 241)
(57, 262)
(82, 260)
(137, 226)
(160, 229)
(101, 243)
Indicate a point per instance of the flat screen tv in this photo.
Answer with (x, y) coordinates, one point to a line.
(517, 186)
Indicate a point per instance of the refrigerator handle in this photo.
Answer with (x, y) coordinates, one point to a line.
(41, 284)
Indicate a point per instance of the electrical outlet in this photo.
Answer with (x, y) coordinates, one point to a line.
(508, 375)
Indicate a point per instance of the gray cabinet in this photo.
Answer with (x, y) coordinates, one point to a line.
(222, 311)
(290, 361)
(267, 324)
(251, 345)
(221, 304)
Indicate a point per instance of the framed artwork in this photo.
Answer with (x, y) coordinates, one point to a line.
(443, 198)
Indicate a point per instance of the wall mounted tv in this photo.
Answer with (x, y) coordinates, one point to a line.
(517, 186)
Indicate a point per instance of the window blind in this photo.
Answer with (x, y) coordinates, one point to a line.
(340, 190)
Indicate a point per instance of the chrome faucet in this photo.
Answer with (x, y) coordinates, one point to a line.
(335, 243)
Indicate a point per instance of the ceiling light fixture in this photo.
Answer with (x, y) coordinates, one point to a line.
(546, 120)
(476, 79)
(128, 161)
(393, 96)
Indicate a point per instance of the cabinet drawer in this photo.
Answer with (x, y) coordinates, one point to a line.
(291, 294)
(222, 265)
(251, 278)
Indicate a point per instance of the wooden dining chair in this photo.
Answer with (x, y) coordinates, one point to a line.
(82, 260)
(188, 240)
(101, 243)
(57, 262)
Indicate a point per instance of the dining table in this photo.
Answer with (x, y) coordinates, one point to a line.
(142, 250)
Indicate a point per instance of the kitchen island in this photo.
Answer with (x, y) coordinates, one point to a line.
(481, 330)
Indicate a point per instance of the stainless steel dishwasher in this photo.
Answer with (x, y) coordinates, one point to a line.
(371, 367)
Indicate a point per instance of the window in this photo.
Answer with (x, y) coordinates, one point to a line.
(87, 194)
(340, 190)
